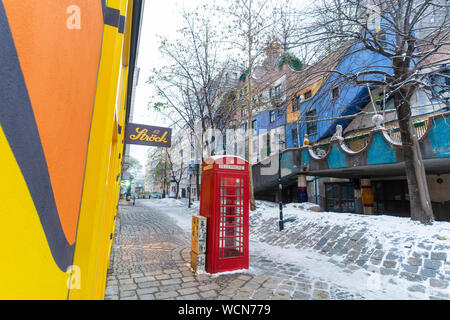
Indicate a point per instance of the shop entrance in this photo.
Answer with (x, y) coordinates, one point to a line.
(339, 197)
(391, 197)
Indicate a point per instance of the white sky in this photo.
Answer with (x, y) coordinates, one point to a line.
(160, 18)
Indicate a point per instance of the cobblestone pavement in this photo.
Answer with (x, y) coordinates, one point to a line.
(150, 261)
(424, 265)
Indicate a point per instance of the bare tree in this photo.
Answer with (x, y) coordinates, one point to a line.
(286, 26)
(134, 167)
(250, 27)
(408, 39)
(191, 85)
(177, 170)
(159, 172)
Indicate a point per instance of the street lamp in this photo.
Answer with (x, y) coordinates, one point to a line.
(190, 184)
(280, 185)
(165, 175)
(197, 180)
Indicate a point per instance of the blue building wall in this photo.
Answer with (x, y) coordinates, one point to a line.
(351, 99)
(291, 141)
(380, 152)
(263, 120)
(434, 145)
(439, 138)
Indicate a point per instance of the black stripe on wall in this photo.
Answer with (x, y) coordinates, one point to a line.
(20, 128)
(112, 17)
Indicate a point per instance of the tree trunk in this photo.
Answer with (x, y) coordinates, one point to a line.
(419, 197)
(249, 110)
(250, 171)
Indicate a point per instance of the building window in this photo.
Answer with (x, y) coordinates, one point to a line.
(224, 143)
(273, 116)
(335, 93)
(255, 145)
(278, 91)
(339, 197)
(294, 136)
(308, 94)
(381, 39)
(389, 104)
(311, 127)
(296, 104)
(268, 144)
(254, 126)
(240, 94)
(440, 83)
(243, 111)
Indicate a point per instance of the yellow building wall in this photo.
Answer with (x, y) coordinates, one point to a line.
(293, 116)
(63, 83)
(93, 247)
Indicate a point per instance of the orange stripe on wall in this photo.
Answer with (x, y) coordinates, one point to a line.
(60, 69)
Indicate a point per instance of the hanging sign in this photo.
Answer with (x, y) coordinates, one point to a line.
(148, 135)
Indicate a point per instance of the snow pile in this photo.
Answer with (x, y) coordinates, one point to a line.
(372, 286)
(303, 229)
(388, 231)
(170, 202)
(195, 205)
(239, 271)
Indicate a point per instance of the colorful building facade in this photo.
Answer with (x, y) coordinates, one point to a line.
(65, 75)
(351, 163)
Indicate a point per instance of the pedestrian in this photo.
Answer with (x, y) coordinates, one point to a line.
(134, 199)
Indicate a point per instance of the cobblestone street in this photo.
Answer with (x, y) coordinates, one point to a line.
(150, 260)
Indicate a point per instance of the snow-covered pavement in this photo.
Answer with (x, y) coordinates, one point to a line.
(372, 257)
(378, 257)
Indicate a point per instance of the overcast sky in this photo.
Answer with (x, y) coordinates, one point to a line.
(160, 17)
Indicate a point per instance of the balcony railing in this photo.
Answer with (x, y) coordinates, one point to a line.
(276, 100)
(420, 128)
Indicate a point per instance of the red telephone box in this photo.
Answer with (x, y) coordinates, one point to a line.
(224, 202)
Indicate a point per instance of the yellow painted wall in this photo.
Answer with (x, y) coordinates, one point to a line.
(101, 185)
(293, 116)
(27, 268)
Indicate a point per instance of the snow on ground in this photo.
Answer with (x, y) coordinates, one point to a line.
(391, 232)
(239, 271)
(388, 230)
(398, 232)
(178, 210)
(372, 286)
